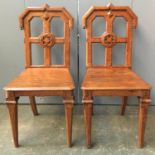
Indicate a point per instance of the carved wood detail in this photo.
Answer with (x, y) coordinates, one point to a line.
(47, 39)
(109, 39)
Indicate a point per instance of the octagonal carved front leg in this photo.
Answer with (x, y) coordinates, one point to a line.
(12, 102)
(143, 108)
(68, 102)
(88, 108)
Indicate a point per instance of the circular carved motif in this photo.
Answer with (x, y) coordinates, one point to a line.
(108, 39)
(47, 39)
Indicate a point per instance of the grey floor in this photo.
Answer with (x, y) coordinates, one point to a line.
(112, 134)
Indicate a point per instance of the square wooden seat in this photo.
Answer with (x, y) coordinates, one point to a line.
(109, 79)
(47, 79)
(113, 79)
(38, 79)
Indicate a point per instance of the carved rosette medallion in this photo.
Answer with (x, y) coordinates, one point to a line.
(108, 39)
(47, 39)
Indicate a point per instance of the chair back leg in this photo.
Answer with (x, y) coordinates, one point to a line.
(33, 105)
(124, 104)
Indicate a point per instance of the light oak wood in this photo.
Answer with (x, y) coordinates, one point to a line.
(13, 113)
(112, 78)
(109, 79)
(46, 79)
(42, 79)
(88, 108)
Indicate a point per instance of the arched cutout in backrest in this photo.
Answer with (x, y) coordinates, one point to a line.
(57, 54)
(98, 26)
(119, 26)
(46, 39)
(36, 26)
(98, 53)
(109, 39)
(57, 27)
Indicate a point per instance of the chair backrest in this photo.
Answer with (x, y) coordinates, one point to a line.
(109, 39)
(47, 39)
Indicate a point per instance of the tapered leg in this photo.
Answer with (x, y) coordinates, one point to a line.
(88, 122)
(68, 102)
(88, 111)
(123, 105)
(13, 113)
(33, 105)
(142, 120)
(68, 115)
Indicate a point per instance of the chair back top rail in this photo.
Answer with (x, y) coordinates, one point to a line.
(46, 39)
(109, 39)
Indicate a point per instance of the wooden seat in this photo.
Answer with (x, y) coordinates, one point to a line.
(113, 78)
(30, 79)
(47, 79)
(110, 79)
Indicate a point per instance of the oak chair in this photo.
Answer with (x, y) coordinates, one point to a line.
(110, 79)
(47, 79)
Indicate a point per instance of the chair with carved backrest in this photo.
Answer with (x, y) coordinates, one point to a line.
(47, 79)
(109, 79)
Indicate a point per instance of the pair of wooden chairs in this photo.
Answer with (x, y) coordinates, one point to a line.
(54, 80)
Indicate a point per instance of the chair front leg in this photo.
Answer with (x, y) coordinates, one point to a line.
(33, 105)
(68, 102)
(143, 108)
(124, 104)
(12, 102)
(88, 111)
